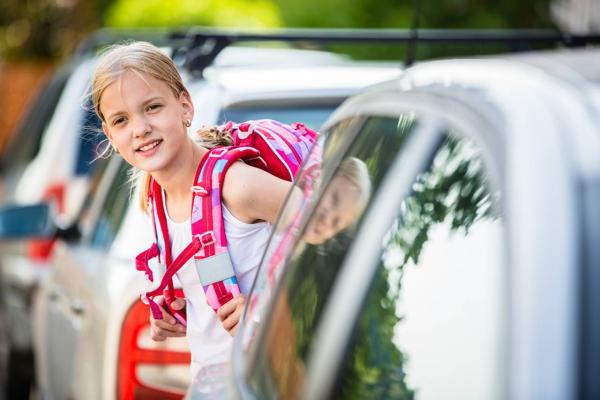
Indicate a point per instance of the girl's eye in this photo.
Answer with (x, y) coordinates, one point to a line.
(118, 120)
(152, 107)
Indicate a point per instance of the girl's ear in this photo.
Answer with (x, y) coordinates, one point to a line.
(186, 103)
(106, 131)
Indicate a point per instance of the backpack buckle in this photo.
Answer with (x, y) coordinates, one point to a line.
(207, 238)
(220, 152)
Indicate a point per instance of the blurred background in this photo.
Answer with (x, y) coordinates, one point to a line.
(36, 35)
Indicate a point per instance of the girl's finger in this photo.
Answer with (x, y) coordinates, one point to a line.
(233, 319)
(178, 304)
(226, 309)
(169, 327)
(230, 307)
(156, 335)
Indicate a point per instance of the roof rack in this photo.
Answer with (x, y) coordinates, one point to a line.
(203, 45)
(196, 48)
(107, 36)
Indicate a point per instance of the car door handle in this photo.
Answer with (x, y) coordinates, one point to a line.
(54, 294)
(78, 307)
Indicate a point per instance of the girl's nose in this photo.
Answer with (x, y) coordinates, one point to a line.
(141, 127)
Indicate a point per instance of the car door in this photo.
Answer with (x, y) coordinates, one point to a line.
(435, 290)
(68, 322)
(309, 244)
(429, 319)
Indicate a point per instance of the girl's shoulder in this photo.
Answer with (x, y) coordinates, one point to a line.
(252, 194)
(238, 190)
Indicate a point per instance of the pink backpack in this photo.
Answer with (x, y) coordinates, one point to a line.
(267, 144)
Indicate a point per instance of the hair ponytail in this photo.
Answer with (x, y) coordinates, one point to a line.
(213, 136)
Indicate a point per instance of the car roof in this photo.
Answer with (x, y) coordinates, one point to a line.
(296, 84)
(582, 62)
(565, 82)
(242, 56)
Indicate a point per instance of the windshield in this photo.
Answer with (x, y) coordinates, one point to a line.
(313, 117)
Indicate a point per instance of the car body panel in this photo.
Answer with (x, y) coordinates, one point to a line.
(534, 328)
(271, 86)
(535, 120)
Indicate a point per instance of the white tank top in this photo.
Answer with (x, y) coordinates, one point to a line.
(209, 342)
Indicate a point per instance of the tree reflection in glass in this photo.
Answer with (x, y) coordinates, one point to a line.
(454, 192)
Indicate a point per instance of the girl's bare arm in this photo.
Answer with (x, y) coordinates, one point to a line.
(252, 194)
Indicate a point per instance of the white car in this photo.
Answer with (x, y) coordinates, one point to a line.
(91, 331)
(58, 173)
(473, 271)
(51, 159)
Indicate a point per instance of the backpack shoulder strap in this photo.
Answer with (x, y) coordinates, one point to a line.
(212, 260)
(159, 220)
(161, 235)
(207, 215)
(209, 243)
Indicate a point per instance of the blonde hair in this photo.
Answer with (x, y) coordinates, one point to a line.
(212, 136)
(140, 58)
(145, 58)
(137, 57)
(355, 171)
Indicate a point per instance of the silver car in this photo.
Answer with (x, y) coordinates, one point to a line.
(473, 271)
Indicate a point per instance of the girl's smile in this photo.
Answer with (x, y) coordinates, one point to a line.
(149, 149)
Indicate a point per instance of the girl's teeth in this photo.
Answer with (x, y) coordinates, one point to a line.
(149, 146)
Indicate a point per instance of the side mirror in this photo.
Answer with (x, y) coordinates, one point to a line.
(25, 222)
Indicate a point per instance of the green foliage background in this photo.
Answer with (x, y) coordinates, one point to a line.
(226, 13)
(50, 29)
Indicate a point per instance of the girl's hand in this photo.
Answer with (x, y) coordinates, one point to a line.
(230, 313)
(161, 329)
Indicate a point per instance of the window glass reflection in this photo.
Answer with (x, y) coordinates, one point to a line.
(310, 244)
(431, 326)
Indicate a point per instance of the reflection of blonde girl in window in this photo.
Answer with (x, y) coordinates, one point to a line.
(342, 203)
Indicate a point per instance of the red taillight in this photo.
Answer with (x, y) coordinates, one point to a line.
(39, 250)
(135, 357)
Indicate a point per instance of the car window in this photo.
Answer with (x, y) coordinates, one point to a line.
(432, 323)
(311, 240)
(91, 137)
(113, 209)
(26, 141)
(85, 215)
(313, 117)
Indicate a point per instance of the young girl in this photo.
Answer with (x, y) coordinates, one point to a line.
(145, 111)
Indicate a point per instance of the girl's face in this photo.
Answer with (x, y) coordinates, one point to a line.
(335, 212)
(145, 121)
